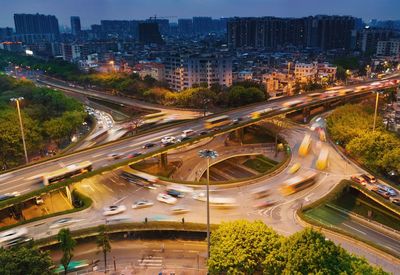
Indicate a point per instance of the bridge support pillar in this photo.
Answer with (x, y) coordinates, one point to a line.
(164, 160)
(68, 193)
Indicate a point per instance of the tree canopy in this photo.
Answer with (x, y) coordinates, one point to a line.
(244, 247)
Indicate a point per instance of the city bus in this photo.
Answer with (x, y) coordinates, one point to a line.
(221, 202)
(305, 146)
(291, 104)
(67, 172)
(154, 118)
(298, 183)
(257, 114)
(217, 121)
(322, 161)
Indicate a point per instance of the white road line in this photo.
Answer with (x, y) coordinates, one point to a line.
(362, 232)
(97, 155)
(108, 188)
(118, 201)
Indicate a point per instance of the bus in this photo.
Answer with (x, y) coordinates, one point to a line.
(298, 183)
(153, 118)
(305, 146)
(67, 172)
(221, 202)
(292, 103)
(322, 161)
(217, 121)
(257, 114)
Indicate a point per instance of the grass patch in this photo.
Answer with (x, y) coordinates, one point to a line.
(261, 164)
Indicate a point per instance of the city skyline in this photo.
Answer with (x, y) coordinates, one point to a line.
(92, 11)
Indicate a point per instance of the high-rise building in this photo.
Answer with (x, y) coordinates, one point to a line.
(185, 27)
(324, 32)
(31, 28)
(5, 33)
(388, 48)
(183, 71)
(366, 40)
(202, 25)
(75, 25)
(149, 33)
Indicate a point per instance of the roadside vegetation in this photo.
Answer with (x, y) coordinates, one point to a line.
(49, 117)
(243, 247)
(147, 89)
(350, 126)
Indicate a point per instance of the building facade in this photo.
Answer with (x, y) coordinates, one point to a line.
(388, 48)
(184, 71)
(75, 25)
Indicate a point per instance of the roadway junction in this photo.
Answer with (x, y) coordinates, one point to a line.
(109, 189)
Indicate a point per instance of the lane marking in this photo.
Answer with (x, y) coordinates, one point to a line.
(349, 226)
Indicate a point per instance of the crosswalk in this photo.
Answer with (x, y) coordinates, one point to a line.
(151, 261)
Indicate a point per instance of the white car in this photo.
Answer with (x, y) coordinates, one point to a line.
(63, 222)
(114, 209)
(168, 140)
(200, 196)
(166, 198)
(188, 133)
(179, 209)
(142, 204)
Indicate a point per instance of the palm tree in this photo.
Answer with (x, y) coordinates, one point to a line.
(67, 244)
(103, 242)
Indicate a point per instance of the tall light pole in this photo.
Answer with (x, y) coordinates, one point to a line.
(208, 154)
(376, 110)
(17, 100)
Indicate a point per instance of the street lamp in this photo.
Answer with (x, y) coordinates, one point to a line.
(208, 154)
(17, 100)
(376, 109)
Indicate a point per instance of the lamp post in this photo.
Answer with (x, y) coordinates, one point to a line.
(17, 100)
(208, 154)
(376, 110)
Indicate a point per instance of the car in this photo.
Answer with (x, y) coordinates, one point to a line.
(388, 189)
(114, 156)
(148, 145)
(39, 200)
(395, 200)
(62, 222)
(9, 196)
(200, 196)
(181, 139)
(114, 209)
(168, 140)
(175, 193)
(359, 180)
(264, 204)
(237, 120)
(179, 209)
(142, 204)
(134, 154)
(295, 167)
(188, 133)
(369, 178)
(382, 193)
(215, 129)
(203, 133)
(165, 198)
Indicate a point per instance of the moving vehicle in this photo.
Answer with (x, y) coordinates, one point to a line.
(291, 104)
(175, 193)
(14, 236)
(345, 91)
(395, 200)
(322, 161)
(179, 209)
(359, 180)
(9, 196)
(382, 193)
(387, 189)
(181, 188)
(134, 154)
(257, 114)
(222, 202)
(114, 156)
(142, 204)
(154, 118)
(188, 133)
(63, 222)
(217, 121)
(72, 266)
(298, 183)
(264, 204)
(148, 145)
(114, 210)
(261, 192)
(322, 135)
(295, 167)
(67, 172)
(305, 145)
(168, 140)
(165, 198)
(369, 178)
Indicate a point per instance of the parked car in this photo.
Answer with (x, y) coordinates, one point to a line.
(359, 180)
(113, 210)
(165, 198)
(39, 200)
(142, 204)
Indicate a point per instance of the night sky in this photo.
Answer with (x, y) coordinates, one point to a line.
(92, 11)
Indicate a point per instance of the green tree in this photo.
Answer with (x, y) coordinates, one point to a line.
(67, 245)
(103, 242)
(240, 247)
(25, 260)
(239, 95)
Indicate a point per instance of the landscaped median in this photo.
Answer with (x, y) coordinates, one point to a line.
(331, 211)
(134, 229)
